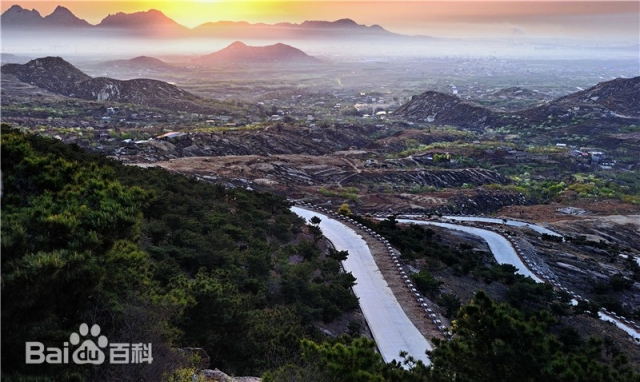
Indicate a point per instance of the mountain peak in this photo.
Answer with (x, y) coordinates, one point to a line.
(342, 23)
(237, 44)
(61, 10)
(63, 17)
(52, 63)
(137, 19)
(240, 52)
(345, 22)
(152, 22)
(15, 8)
(16, 15)
(18, 9)
(51, 73)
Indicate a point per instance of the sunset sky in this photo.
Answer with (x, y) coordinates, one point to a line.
(607, 19)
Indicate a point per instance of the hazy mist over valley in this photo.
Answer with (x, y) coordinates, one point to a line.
(451, 46)
(419, 191)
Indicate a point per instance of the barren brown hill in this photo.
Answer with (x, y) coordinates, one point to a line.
(60, 77)
(620, 96)
(611, 103)
(441, 108)
(601, 109)
(50, 73)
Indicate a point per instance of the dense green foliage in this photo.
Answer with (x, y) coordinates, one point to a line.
(153, 257)
(623, 186)
(492, 342)
(346, 359)
(497, 342)
(417, 241)
(426, 283)
(420, 242)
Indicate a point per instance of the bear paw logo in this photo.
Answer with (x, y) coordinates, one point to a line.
(89, 352)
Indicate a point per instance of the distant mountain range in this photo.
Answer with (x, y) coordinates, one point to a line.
(151, 22)
(239, 52)
(236, 53)
(343, 28)
(157, 24)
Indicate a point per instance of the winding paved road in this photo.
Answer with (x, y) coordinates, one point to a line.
(504, 253)
(500, 247)
(513, 223)
(390, 326)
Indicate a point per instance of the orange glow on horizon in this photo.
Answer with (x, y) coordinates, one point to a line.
(188, 13)
(400, 16)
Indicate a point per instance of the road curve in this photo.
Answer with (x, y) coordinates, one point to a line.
(627, 326)
(505, 254)
(509, 222)
(391, 328)
(500, 247)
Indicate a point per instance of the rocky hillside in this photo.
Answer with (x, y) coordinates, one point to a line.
(50, 73)
(601, 109)
(60, 77)
(242, 53)
(271, 141)
(441, 108)
(621, 96)
(616, 100)
(435, 178)
(138, 91)
(518, 92)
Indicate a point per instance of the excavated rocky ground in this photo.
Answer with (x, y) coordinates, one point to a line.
(435, 178)
(335, 179)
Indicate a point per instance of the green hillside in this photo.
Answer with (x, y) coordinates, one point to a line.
(153, 257)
